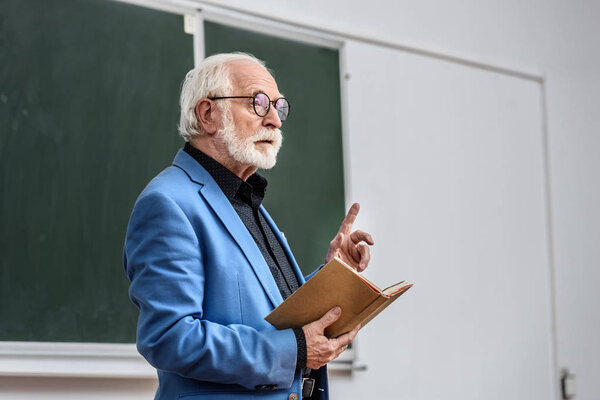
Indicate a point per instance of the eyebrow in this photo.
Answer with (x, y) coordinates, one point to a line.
(255, 90)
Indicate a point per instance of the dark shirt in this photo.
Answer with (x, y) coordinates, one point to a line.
(246, 198)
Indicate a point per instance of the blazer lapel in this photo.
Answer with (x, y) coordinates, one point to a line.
(214, 196)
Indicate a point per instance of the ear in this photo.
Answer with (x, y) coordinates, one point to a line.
(207, 115)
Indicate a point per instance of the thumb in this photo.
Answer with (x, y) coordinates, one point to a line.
(337, 240)
(330, 317)
(334, 246)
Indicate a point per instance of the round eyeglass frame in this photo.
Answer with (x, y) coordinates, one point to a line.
(280, 113)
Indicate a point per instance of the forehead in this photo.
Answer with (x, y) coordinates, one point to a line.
(247, 77)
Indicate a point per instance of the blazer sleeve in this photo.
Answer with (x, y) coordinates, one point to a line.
(307, 277)
(165, 267)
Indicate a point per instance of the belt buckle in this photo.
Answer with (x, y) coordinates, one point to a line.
(308, 384)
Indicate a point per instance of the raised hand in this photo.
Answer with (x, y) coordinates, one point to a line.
(320, 349)
(350, 246)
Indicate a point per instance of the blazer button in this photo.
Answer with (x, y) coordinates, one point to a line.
(293, 396)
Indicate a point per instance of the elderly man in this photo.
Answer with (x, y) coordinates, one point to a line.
(206, 261)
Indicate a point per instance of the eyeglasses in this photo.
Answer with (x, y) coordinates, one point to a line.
(262, 104)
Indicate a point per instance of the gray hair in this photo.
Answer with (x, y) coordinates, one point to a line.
(210, 78)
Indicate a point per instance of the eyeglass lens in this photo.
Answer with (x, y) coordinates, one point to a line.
(262, 102)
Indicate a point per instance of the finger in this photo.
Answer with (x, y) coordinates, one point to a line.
(347, 222)
(330, 317)
(352, 334)
(339, 351)
(365, 256)
(355, 331)
(354, 252)
(361, 236)
(337, 241)
(334, 247)
(346, 338)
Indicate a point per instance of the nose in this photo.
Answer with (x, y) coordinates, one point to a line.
(271, 120)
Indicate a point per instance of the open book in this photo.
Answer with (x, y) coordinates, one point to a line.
(336, 284)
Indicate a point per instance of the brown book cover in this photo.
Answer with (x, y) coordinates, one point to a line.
(336, 284)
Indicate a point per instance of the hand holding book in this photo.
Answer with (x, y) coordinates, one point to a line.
(319, 349)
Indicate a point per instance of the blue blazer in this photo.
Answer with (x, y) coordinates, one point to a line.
(203, 289)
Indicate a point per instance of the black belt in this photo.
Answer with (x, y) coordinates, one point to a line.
(308, 384)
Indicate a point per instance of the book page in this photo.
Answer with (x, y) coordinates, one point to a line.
(398, 287)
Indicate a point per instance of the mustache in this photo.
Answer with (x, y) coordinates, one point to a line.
(267, 134)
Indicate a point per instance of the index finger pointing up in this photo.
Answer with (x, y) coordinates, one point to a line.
(346, 226)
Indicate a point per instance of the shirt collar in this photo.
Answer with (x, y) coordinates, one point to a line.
(251, 192)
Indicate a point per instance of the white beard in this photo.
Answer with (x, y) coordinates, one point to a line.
(244, 151)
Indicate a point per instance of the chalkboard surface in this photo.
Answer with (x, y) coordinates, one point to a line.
(89, 95)
(88, 108)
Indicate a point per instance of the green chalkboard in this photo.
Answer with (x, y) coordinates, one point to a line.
(305, 195)
(88, 109)
(89, 95)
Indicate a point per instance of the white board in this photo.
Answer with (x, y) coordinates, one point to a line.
(447, 161)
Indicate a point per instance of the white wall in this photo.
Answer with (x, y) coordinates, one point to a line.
(447, 161)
